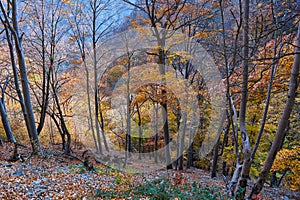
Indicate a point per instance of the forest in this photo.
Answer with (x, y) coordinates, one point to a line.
(150, 99)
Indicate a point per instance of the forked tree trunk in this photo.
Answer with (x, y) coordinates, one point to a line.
(46, 75)
(15, 73)
(27, 109)
(242, 184)
(279, 137)
(64, 129)
(94, 43)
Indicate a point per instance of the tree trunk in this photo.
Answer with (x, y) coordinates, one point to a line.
(128, 117)
(15, 73)
(190, 154)
(140, 131)
(161, 62)
(90, 107)
(102, 127)
(215, 159)
(156, 133)
(9, 134)
(62, 135)
(46, 77)
(279, 137)
(264, 118)
(35, 143)
(190, 145)
(6, 125)
(181, 144)
(65, 131)
(241, 189)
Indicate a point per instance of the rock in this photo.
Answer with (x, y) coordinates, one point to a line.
(28, 193)
(6, 165)
(19, 171)
(36, 182)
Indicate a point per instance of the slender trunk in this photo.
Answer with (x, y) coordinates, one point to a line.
(102, 127)
(279, 137)
(51, 135)
(65, 131)
(190, 154)
(61, 133)
(225, 144)
(241, 189)
(35, 143)
(96, 102)
(46, 77)
(176, 162)
(4, 118)
(140, 131)
(1, 142)
(156, 133)
(181, 144)
(90, 107)
(16, 78)
(94, 43)
(161, 62)
(232, 110)
(215, 159)
(191, 142)
(128, 117)
(264, 118)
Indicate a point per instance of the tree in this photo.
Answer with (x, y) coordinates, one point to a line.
(79, 33)
(37, 46)
(90, 26)
(46, 43)
(12, 29)
(240, 193)
(164, 19)
(4, 117)
(279, 137)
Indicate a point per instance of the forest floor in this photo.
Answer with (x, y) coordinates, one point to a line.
(56, 176)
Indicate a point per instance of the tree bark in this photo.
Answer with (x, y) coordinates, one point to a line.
(28, 110)
(15, 71)
(140, 131)
(241, 189)
(161, 62)
(96, 81)
(181, 143)
(215, 159)
(4, 118)
(90, 107)
(279, 137)
(156, 133)
(102, 126)
(46, 76)
(64, 129)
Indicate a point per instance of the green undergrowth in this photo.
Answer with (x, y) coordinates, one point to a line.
(163, 189)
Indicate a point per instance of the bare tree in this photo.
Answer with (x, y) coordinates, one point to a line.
(241, 189)
(280, 133)
(13, 28)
